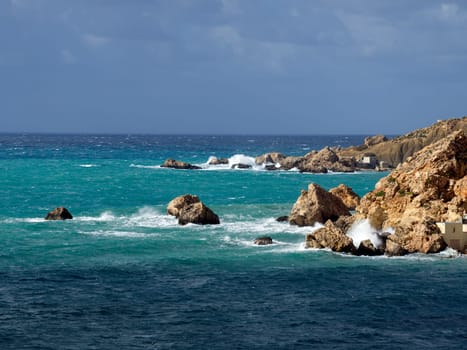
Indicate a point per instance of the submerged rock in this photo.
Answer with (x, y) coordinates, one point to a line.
(177, 164)
(316, 205)
(263, 241)
(60, 213)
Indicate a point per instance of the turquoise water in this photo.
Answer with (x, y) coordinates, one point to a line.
(123, 274)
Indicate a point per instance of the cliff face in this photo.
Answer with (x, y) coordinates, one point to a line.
(428, 187)
(397, 150)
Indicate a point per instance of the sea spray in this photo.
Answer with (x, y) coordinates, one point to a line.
(361, 231)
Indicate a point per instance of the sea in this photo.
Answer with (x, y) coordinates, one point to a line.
(124, 275)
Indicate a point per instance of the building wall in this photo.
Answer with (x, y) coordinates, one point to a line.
(455, 234)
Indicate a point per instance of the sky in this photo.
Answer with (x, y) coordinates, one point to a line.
(231, 66)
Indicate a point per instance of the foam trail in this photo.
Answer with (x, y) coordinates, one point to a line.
(361, 231)
(105, 216)
(242, 159)
(88, 165)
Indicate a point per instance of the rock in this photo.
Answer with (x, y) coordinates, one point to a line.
(218, 161)
(271, 167)
(395, 151)
(348, 196)
(374, 140)
(241, 166)
(282, 218)
(60, 213)
(263, 241)
(197, 213)
(176, 204)
(316, 205)
(291, 162)
(368, 249)
(176, 164)
(428, 188)
(344, 223)
(268, 158)
(330, 237)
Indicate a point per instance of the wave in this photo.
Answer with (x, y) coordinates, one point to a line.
(88, 165)
(145, 166)
(120, 234)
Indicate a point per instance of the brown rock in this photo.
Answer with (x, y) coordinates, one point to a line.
(345, 222)
(176, 164)
(348, 196)
(218, 161)
(316, 205)
(60, 213)
(368, 249)
(429, 187)
(291, 162)
(283, 218)
(176, 204)
(374, 140)
(393, 248)
(330, 237)
(197, 213)
(263, 241)
(268, 158)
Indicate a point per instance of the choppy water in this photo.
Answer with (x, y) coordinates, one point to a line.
(123, 274)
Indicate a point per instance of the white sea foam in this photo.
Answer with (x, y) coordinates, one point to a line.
(114, 233)
(88, 165)
(266, 226)
(150, 217)
(105, 216)
(362, 230)
(145, 166)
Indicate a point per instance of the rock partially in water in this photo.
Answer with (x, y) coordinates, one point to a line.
(367, 248)
(60, 213)
(176, 204)
(197, 213)
(177, 164)
(330, 237)
(268, 158)
(316, 205)
(218, 161)
(263, 241)
(283, 218)
(240, 166)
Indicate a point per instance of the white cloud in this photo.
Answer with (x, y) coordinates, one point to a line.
(451, 13)
(93, 40)
(67, 57)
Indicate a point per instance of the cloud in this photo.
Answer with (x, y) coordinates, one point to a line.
(228, 37)
(451, 13)
(93, 40)
(371, 35)
(67, 57)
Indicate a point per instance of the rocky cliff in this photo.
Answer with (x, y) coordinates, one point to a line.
(428, 187)
(397, 150)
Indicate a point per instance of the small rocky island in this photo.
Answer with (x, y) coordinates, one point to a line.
(189, 209)
(403, 209)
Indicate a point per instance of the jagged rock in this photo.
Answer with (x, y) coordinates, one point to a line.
(344, 223)
(425, 189)
(291, 162)
(348, 196)
(282, 218)
(399, 149)
(218, 161)
(393, 248)
(374, 140)
(367, 248)
(197, 213)
(176, 204)
(241, 166)
(316, 205)
(330, 237)
(176, 164)
(273, 157)
(263, 241)
(60, 213)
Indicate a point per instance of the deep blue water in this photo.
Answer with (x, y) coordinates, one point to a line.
(123, 274)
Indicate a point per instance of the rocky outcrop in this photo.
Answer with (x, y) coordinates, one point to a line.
(396, 151)
(330, 237)
(189, 209)
(367, 248)
(263, 241)
(374, 140)
(316, 205)
(270, 158)
(197, 213)
(240, 166)
(177, 164)
(60, 213)
(347, 195)
(176, 204)
(428, 187)
(218, 161)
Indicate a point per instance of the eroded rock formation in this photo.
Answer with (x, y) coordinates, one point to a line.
(177, 164)
(189, 209)
(60, 213)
